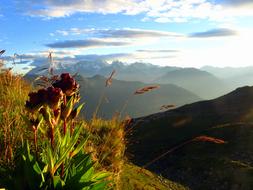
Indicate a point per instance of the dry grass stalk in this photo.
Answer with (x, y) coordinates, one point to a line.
(146, 89)
(204, 138)
(51, 66)
(45, 81)
(165, 107)
(108, 81)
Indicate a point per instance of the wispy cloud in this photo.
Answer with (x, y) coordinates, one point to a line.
(125, 57)
(158, 50)
(87, 43)
(219, 32)
(105, 57)
(97, 38)
(118, 33)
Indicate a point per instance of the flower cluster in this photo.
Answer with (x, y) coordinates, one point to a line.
(55, 104)
(50, 96)
(67, 84)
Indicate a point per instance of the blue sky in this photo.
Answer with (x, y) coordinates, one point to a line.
(187, 33)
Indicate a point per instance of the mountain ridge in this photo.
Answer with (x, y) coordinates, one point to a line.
(196, 81)
(189, 120)
(199, 165)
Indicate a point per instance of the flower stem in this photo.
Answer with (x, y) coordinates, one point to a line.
(62, 170)
(35, 141)
(52, 136)
(64, 120)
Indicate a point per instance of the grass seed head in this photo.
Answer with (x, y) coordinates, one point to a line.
(204, 138)
(146, 89)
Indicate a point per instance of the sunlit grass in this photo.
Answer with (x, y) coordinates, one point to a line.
(107, 145)
(13, 93)
(106, 137)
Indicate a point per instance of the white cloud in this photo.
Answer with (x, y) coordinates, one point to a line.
(62, 32)
(158, 10)
(59, 8)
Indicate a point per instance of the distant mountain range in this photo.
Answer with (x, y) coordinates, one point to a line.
(142, 72)
(119, 98)
(200, 82)
(199, 165)
(232, 77)
(207, 82)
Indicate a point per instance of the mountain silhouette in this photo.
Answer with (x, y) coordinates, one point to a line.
(202, 83)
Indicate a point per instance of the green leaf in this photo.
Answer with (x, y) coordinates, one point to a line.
(41, 119)
(88, 172)
(79, 147)
(67, 109)
(36, 168)
(100, 185)
(82, 160)
(65, 153)
(32, 174)
(47, 115)
(101, 175)
(78, 109)
(50, 159)
(82, 174)
(58, 183)
(76, 162)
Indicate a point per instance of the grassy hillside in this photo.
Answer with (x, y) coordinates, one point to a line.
(205, 165)
(163, 130)
(134, 177)
(199, 165)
